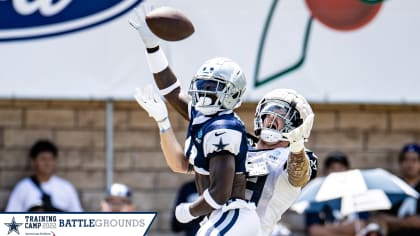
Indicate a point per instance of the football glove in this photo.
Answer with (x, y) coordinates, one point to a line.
(137, 21)
(183, 214)
(296, 137)
(154, 105)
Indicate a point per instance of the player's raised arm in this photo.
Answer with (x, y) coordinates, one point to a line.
(298, 164)
(166, 81)
(156, 108)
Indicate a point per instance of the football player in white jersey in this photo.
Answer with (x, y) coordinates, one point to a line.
(216, 143)
(278, 165)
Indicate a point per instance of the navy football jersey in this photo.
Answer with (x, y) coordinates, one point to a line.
(209, 135)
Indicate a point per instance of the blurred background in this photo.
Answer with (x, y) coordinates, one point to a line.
(69, 71)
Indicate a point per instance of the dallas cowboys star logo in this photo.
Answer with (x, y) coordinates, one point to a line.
(220, 146)
(13, 226)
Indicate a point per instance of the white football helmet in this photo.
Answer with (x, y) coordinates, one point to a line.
(218, 85)
(287, 104)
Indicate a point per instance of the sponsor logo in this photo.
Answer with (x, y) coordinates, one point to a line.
(45, 18)
(218, 133)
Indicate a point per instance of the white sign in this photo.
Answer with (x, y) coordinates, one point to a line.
(367, 53)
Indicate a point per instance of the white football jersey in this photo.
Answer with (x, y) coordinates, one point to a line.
(268, 186)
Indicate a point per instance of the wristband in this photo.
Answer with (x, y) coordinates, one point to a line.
(183, 214)
(210, 200)
(170, 88)
(164, 125)
(297, 146)
(157, 61)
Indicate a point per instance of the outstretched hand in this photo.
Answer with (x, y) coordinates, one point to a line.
(152, 103)
(138, 22)
(297, 136)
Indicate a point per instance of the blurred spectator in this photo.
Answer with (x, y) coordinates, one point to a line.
(404, 219)
(43, 191)
(118, 199)
(336, 162)
(332, 222)
(187, 193)
(371, 229)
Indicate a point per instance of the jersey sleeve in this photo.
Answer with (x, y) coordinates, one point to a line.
(222, 140)
(313, 161)
(190, 110)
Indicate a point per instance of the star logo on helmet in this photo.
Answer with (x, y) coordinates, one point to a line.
(220, 146)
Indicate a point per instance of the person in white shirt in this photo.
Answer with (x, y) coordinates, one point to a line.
(43, 191)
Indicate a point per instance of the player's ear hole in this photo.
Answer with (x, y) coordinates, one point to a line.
(236, 95)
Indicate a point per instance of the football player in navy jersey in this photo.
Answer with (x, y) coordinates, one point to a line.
(275, 171)
(216, 143)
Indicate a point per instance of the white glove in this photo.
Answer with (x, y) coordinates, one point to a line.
(154, 105)
(137, 21)
(183, 214)
(297, 136)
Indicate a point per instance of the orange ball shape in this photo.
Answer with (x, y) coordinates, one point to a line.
(343, 14)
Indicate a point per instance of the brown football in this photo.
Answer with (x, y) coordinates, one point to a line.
(169, 24)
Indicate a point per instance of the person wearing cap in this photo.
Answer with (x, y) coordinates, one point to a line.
(328, 221)
(118, 199)
(404, 218)
(371, 229)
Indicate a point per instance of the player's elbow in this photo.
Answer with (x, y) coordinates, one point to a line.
(179, 167)
(220, 195)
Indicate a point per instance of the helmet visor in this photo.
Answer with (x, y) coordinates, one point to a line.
(208, 85)
(278, 116)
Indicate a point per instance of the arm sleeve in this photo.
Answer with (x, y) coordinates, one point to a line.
(313, 162)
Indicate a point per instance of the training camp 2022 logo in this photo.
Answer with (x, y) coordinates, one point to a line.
(127, 223)
(31, 19)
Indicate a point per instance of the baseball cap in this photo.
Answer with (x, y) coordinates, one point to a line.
(371, 228)
(119, 190)
(411, 147)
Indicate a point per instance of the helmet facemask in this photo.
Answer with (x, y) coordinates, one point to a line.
(208, 94)
(217, 86)
(273, 118)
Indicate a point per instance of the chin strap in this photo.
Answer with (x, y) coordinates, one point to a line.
(271, 136)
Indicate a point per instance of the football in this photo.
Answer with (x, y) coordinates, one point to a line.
(169, 24)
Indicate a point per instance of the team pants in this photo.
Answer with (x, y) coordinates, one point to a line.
(237, 217)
